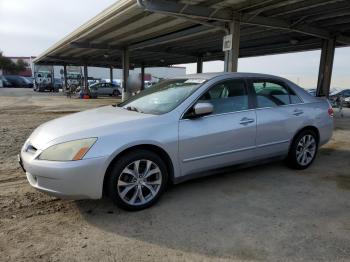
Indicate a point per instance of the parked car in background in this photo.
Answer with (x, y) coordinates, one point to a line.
(17, 81)
(347, 102)
(148, 84)
(177, 130)
(312, 91)
(93, 81)
(30, 79)
(29, 84)
(5, 82)
(103, 89)
(334, 98)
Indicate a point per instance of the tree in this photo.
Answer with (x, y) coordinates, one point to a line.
(8, 66)
(21, 65)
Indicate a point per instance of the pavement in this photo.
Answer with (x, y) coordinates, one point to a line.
(263, 213)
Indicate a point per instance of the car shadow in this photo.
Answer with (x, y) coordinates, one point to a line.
(215, 216)
(246, 214)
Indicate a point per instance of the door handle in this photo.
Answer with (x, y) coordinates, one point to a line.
(246, 121)
(298, 112)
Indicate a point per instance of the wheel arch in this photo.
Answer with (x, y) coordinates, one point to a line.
(150, 147)
(309, 127)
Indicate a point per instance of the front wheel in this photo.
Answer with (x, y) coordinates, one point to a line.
(137, 180)
(303, 150)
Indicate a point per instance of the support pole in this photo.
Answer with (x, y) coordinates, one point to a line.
(142, 76)
(326, 67)
(199, 65)
(226, 62)
(111, 74)
(86, 88)
(65, 77)
(125, 61)
(231, 56)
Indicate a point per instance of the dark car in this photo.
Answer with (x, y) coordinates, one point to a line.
(28, 81)
(312, 91)
(5, 82)
(335, 97)
(16, 81)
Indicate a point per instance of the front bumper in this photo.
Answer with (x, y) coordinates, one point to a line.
(81, 179)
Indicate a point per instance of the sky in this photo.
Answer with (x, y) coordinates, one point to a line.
(29, 27)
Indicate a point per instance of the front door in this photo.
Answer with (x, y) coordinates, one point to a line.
(102, 89)
(225, 137)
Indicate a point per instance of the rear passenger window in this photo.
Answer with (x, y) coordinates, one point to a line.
(228, 96)
(271, 94)
(295, 99)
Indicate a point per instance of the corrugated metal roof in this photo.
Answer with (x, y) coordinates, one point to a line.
(158, 39)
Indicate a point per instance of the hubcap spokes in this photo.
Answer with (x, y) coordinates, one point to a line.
(139, 182)
(306, 150)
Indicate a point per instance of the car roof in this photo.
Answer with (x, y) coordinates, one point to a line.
(208, 76)
(337, 92)
(12, 76)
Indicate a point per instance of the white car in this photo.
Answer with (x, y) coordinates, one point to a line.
(102, 89)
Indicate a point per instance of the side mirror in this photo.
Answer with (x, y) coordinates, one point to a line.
(202, 109)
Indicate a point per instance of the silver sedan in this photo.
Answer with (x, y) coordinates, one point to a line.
(176, 130)
(101, 89)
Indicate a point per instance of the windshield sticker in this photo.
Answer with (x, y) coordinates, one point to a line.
(195, 81)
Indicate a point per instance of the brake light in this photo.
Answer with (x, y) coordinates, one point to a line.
(330, 111)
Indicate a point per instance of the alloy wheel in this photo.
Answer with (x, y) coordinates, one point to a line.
(306, 150)
(139, 182)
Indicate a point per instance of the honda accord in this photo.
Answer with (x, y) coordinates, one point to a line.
(178, 129)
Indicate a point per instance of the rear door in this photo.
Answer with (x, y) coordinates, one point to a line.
(225, 137)
(279, 113)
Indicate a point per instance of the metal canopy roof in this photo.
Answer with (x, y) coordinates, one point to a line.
(156, 37)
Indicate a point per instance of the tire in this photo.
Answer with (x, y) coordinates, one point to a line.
(115, 93)
(300, 157)
(132, 192)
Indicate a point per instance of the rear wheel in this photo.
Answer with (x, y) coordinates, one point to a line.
(137, 180)
(303, 150)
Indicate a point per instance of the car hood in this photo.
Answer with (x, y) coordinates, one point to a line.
(84, 124)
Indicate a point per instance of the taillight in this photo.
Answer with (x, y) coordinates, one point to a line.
(330, 111)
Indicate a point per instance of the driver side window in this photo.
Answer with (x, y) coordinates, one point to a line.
(227, 96)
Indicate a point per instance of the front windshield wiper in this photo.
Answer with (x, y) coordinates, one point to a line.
(133, 108)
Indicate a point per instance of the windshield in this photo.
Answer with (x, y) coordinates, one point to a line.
(163, 97)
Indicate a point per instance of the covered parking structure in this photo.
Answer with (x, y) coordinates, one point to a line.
(148, 33)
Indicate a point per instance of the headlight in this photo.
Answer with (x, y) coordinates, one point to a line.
(68, 151)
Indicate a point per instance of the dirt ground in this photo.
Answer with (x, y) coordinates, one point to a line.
(265, 213)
